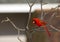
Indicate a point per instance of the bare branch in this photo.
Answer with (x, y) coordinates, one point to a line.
(30, 3)
(18, 36)
(54, 28)
(52, 9)
(7, 19)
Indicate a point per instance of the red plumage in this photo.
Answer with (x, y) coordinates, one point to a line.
(39, 23)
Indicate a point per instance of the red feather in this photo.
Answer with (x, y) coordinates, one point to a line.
(39, 23)
(49, 34)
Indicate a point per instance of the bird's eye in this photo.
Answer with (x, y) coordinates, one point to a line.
(33, 21)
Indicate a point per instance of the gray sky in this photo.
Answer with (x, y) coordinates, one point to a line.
(24, 1)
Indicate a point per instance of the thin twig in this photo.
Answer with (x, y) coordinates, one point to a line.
(51, 20)
(42, 15)
(30, 5)
(54, 28)
(29, 12)
(14, 27)
(18, 36)
(52, 9)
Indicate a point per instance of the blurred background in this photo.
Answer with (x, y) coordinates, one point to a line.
(18, 12)
(24, 1)
(7, 32)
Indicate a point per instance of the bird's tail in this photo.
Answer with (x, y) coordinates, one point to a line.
(49, 34)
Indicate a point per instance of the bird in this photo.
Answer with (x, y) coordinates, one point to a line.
(40, 23)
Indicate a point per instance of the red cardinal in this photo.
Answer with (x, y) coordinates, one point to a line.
(39, 23)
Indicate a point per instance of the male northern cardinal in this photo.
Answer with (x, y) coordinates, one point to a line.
(39, 23)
